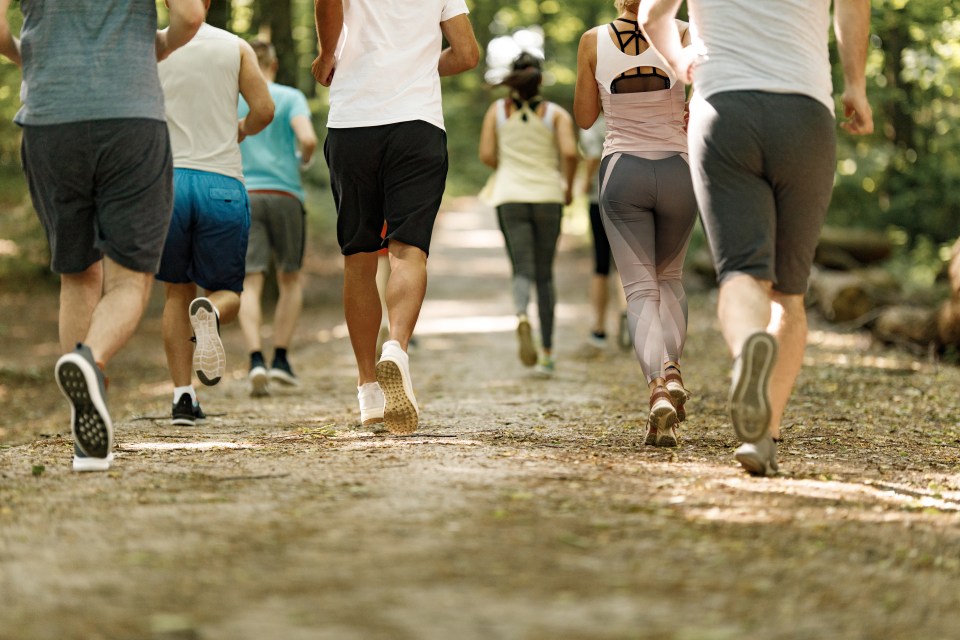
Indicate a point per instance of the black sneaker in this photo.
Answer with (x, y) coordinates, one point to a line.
(282, 372)
(186, 412)
(81, 381)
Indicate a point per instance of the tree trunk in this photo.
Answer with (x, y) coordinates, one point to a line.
(841, 296)
(220, 14)
(279, 20)
(846, 248)
(903, 324)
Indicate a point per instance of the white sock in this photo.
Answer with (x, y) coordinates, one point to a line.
(189, 390)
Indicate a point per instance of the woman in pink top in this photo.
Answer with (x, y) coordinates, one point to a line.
(646, 197)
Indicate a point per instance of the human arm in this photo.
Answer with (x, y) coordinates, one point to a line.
(9, 45)
(463, 53)
(488, 138)
(253, 88)
(567, 145)
(306, 137)
(851, 23)
(328, 17)
(586, 96)
(186, 16)
(656, 18)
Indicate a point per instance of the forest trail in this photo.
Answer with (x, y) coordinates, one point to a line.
(522, 508)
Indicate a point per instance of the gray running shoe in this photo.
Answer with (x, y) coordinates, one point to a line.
(750, 390)
(81, 381)
(209, 358)
(758, 458)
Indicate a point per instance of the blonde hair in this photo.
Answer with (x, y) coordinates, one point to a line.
(622, 5)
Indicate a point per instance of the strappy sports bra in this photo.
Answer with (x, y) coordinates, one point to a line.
(632, 80)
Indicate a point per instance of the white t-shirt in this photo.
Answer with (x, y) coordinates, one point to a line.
(387, 62)
(779, 46)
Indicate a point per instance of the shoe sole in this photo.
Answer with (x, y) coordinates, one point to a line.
(184, 422)
(755, 465)
(663, 420)
(209, 359)
(377, 419)
(749, 394)
(258, 382)
(89, 419)
(281, 376)
(399, 412)
(679, 395)
(92, 464)
(528, 352)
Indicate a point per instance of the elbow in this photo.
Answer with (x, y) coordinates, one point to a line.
(488, 159)
(472, 57)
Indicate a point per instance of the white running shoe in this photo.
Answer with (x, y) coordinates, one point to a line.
(209, 359)
(758, 458)
(401, 413)
(371, 403)
(749, 403)
(258, 382)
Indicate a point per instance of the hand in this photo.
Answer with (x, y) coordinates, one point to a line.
(323, 68)
(567, 195)
(857, 111)
(685, 66)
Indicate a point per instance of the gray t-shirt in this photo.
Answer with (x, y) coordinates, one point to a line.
(89, 60)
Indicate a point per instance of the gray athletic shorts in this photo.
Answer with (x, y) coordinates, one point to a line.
(101, 187)
(763, 167)
(278, 228)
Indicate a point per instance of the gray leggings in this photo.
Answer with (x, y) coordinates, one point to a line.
(531, 231)
(649, 212)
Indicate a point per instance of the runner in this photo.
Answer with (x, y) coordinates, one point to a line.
(387, 153)
(272, 162)
(96, 154)
(762, 145)
(530, 144)
(646, 197)
(207, 241)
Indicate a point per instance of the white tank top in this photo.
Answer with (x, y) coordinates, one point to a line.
(648, 124)
(201, 86)
(779, 46)
(528, 159)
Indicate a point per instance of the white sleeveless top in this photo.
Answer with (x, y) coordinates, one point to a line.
(528, 159)
(648, 124)
(778, 46)
(201, 86)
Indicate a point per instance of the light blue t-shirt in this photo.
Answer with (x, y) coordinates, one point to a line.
(270, 160)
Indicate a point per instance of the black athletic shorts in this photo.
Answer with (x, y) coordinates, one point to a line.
(394, 173)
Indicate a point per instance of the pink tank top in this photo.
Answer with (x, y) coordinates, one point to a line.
(648, 124)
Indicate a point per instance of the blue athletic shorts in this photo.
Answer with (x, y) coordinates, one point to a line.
(207, 241)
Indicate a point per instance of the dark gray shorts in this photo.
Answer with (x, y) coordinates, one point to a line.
(393, 173)
(101, 187)
(763, 167)
(278, 228)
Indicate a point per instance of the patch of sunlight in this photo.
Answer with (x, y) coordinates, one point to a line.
(9, 248)
(465, 220)
(467, 324)
(156, 388)
(366, 442)
(337, 333)
(875, 362)
(475, 239)
(834, 340)
(834, 490)
(188, 446)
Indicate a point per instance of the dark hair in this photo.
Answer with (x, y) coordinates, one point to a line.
(266, 54)
(525, 75)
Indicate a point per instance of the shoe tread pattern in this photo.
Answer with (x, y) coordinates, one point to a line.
(91, 430)
(750, 409)
(209, 358)
(399, 413)
(528, 352)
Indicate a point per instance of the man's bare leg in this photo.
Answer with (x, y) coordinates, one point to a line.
(743, 309)
(79, 295)
(251, 313)
(289, 305)
(177, 332)
(227, 304)
(405, 290)
(116, 315)
(362, 311)
(789, 325)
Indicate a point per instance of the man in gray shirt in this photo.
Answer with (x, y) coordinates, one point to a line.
(96, 154)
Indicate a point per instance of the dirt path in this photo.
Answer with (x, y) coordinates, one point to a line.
(523, 508)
